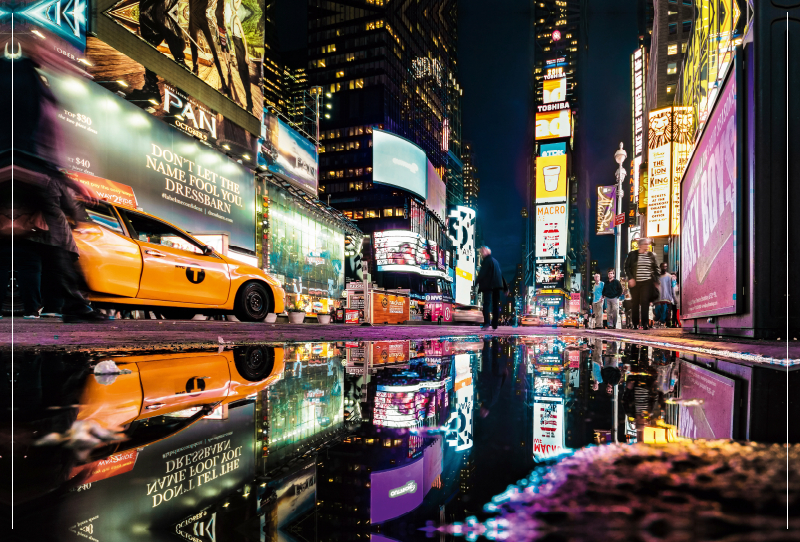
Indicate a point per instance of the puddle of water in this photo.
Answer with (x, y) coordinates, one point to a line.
(346, 440)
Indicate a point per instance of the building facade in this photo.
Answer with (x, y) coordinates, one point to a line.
(389, 67)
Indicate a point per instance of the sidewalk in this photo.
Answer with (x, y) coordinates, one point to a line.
(151, 334)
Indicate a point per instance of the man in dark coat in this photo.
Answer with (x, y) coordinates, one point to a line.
(490, 283)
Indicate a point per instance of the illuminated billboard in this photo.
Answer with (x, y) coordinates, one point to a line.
(554, 90)
(551, 230)
(403, 250)
(461, 230)
(553, 124)
(710, 196)
(437, 193)
(288, 154)
(606, 209)
(551, 178)
(659, 172)
(553, 149)
(399, 162)
(221, 42)
(681, 148)
(550, 275)
(548, 429)
(172, 175)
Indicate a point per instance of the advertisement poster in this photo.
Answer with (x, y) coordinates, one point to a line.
(461, 230)
(389, 352)
(553, 149)
(547, 386)
(551, 230)
(288, 154)
(553, 124)
(606, 209)
(165, 101)
(550, 275)
(554, 90)
(220, 41)
(659, 172)
(172, 175)
(437, 193)
(107, 190)
(710, 196)
(548, 430)
(551, 178)
(399, 162)
(575, 303)
(713, 419)
(389, 308)
(681, 147)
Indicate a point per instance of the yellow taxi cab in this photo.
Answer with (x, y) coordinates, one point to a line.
(530, 320)
(134, 259)
(569, 321)
(175, 384)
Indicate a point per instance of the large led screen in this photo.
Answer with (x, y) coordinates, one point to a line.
(288, 154)
(172, 175)
(550, 275)
(220, 41)
(548, 429)
(553, 124)
(551, 230)
(461, 230)
(403, 250)
(709, 195)
(551, 178)
(659, 172)
(397, 491)
(554, 90)
(398, 162)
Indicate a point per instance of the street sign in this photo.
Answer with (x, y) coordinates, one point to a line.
(619, 220)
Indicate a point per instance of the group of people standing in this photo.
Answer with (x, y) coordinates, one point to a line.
(647, 283)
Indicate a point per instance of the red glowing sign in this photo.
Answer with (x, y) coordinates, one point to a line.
(556, 35)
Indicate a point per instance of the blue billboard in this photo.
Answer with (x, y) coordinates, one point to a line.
(286, 153)
(398, 162)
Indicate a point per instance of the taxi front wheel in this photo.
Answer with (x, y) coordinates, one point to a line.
(252, 303)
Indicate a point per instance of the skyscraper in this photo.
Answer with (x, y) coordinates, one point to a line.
(556, 236)
(390, 66)
(471, 181)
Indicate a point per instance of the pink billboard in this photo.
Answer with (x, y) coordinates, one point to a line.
(709, 197)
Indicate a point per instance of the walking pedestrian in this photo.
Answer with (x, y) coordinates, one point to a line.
(597, 301)
(665, 297)
(36, 161)
(490, 282)
(641, 267)
(612, 292)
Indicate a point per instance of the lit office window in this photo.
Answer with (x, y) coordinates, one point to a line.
(672, 68)
(672, 49)
(683, 46)
(388, 212)
(669, 90)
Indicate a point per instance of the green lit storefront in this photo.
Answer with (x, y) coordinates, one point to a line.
(300, 241)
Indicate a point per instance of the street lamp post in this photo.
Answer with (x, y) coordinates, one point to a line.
(619, 157)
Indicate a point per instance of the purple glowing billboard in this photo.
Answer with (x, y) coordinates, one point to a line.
(397, 491)
(710, 197)
(713, 418)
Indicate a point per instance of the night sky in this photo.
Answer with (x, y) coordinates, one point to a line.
(495, 66)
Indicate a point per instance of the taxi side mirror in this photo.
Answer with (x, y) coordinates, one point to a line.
(207, 251)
